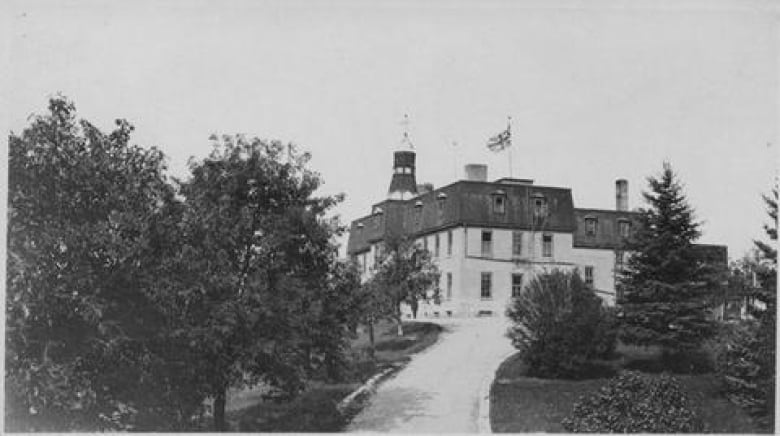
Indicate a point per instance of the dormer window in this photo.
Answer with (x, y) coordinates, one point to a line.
(590, 225)
(418, 205)
(540, 205)
(540, 212)
(624, 227)
(441, 200)
(499, 201)
(378, 214)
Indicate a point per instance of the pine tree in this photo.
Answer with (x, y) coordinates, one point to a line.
(764, 345)
(664, 287)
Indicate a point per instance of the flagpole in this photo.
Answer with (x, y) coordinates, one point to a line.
(509, 129)
(455, 160)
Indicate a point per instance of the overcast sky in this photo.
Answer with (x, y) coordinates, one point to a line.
(596, 90)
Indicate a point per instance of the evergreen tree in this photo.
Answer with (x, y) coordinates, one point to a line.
(765, 342)
(665, 287)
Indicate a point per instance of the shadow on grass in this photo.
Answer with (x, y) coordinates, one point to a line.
(521, 404)
(315, 409)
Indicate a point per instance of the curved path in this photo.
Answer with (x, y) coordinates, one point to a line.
(439, 391)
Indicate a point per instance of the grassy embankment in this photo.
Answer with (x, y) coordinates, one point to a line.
(314, 410)
(520, 404)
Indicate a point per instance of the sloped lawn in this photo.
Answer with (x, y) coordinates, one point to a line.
(315, 410)
(520, 404)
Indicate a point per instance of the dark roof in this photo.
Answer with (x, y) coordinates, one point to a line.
(465, 203)
(470, 203)
(607, 229)
(717, 255)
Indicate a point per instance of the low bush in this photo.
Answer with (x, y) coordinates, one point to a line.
(746, 372)
(396, 344)
(635, 403)
(560, 326)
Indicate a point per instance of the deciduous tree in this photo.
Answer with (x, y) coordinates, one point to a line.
(405, 275)
(82, 333)
(261, 296)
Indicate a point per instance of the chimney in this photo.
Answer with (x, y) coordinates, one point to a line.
(621, 195)
(403, 184)
(424, 188)
(476, 172)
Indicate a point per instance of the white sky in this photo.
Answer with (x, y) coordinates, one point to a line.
(597, 90)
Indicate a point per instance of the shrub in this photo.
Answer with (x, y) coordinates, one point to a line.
(632, 403)
(560, 326)
(748, 380)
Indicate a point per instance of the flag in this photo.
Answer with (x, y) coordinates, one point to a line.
(500, 141)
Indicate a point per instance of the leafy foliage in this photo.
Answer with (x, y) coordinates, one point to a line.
(666, 289)
(559, 325)
(406, 274)
(82, 344)
(131, 299)
(635, 403)
(747, 361)
(258, 292)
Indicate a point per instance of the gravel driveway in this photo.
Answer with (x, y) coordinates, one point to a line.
(439, 390)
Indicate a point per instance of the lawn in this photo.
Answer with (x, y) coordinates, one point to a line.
(314, 410)
(521, 404)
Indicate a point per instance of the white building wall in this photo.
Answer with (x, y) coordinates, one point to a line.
(467, 263)
(603, 263)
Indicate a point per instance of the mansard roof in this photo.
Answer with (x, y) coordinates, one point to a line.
(464, 203)
(607, 235)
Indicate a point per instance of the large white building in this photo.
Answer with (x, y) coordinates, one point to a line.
(489, 238)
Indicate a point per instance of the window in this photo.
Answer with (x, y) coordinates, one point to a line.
(590, 226)
(436, 245)
(517, 243)
(547, 245)
(540, 209)
(589, 276)
(449, 286)
(625, 228)
(487, 243)
(425, 243)
(517, 285)
(418, 212)
(540, 205)
(449, 242)
(486, 281)
(441, 201)
(364, 262)
(377, 255)
(618, 259)
(499, 202)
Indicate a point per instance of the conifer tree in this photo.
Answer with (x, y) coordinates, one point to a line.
(766, 313)
(664, 287)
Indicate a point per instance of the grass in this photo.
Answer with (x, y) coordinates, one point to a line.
(314, 410)
(525, 404)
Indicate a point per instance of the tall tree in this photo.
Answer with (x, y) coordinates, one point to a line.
(765, 345)
(257, 297)
(81, 330)
(665, 286)
(405, 275)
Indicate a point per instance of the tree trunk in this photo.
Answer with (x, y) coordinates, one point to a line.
(219, 409)
(398, 318)
(372, 348)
